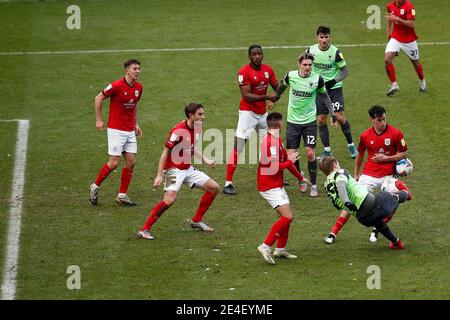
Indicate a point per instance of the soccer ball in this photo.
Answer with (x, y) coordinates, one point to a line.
(404, 167)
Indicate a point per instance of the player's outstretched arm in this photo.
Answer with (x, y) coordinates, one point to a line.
(281, 88)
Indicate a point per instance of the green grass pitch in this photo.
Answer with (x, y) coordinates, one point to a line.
(56, 93)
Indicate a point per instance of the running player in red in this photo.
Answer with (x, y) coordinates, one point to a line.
(254, 79)
(385, 145)
(175, 169)
(122, 129)
(274, 159)
(401, 17)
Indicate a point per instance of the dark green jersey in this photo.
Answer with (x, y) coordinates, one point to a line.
(356, 193)
(302, 96)
(327, 63)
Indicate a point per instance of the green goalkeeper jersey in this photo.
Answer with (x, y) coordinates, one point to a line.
(302, 96)
(356, 193)
(327, 63)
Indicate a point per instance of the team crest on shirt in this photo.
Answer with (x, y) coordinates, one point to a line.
(387, 142)
(266, 74)
(413, 12)
(240, 78)
(403, 142)
(402, 11)
(136, 93)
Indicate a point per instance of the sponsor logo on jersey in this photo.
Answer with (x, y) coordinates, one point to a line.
(322, 65)
(240, 78)
(371, 141)
(302, 93)
(125, 93)
(387, 142)
(266, 74)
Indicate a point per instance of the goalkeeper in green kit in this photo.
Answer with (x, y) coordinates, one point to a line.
(370, 210)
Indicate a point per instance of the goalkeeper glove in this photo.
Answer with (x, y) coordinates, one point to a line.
(351, 206)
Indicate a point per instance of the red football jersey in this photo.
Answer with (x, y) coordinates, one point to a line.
(122, 106)
(181, 142)
(390, 142)
(406, 11)
(273, 161)
(258, 80)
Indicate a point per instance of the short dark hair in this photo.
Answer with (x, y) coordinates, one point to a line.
(376, 111)
(273, 119)
(192, 108)
(129, 62)
(304, 56)
(323, 30)
(253, 46)
(326, 164)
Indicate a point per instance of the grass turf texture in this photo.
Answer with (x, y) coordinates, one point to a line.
(56, 92)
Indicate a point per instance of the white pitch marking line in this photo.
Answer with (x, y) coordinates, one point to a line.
(15, 212)
(19, 53)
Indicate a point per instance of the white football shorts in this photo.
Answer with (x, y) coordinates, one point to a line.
(375, 184)
(249, 121)
(174, 178)
(121, 141)
(410, 49)
(276, 197)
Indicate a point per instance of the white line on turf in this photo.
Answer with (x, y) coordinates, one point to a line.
(15, 212)
(361, 45)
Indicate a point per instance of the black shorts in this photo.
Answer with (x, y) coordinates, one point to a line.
(295, 132)
(337, 100)
(385, 204)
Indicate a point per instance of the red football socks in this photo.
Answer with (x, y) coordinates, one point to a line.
(104, 172)
(125, 179)
(400, 185)
(157, 211)
(232, 164)
(278, 228)
(340, 222)
(390, 70)
(419, 71)
(282, 240)
(205, 203)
